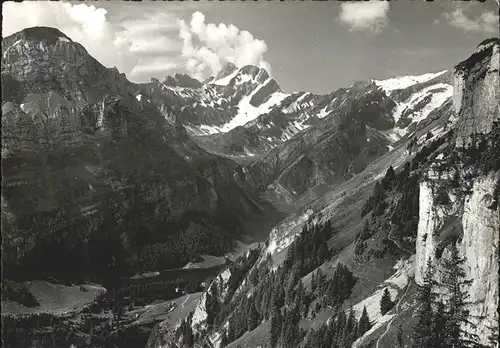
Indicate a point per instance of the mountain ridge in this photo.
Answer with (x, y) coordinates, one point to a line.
(352, 192)
(438, 186)
(81, 151)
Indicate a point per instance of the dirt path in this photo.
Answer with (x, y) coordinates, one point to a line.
(184, 302)
(394, 317)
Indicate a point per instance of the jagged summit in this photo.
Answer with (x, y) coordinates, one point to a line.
(488, 42)
(484, 50)
(47, 34)
(402, 82)
(247, 73)
(181, 80)
(226, 70)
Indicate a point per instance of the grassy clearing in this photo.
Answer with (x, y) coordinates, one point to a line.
(54, 299)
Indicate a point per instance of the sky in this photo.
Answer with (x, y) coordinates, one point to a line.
(305, 45)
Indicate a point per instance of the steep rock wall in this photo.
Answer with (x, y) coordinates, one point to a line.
(481, 226)
(477, 92)
(478, 245)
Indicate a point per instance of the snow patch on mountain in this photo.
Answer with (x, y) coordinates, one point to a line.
(417, 108)
(438, 99)
(323, 113)
(247, 112)
(243, 78)
(286, 232)
(227, 79)
(393, 134)
(402, 82)
(295, 105)
(293, 128)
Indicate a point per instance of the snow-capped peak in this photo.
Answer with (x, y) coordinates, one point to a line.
(402, 82)
(226, 79)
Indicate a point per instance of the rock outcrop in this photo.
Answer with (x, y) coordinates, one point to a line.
(467, 216)
(479, 241)
(477, 91)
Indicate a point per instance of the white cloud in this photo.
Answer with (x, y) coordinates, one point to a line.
(83, 23)
(486, 22)
(155, 67)
(365, 16)
(142, 44)
(154, 45)
(206, 47)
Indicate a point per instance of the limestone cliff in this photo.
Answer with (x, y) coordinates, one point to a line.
(480, 224)
(476, 91)
(467, 210)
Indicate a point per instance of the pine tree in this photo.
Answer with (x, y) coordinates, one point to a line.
(300, 300)
(386, 303)
(352, 326)
(364, 323)
(230, 331)
(291, 327)
(399, 337)
(321, 282)
(276, 321)
(389, 177)
(422, 330)
(457, 314)
(252, 316)
(347, 330)
(313, 282)
(438, 330)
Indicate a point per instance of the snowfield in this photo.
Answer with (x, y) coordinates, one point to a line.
(437, 99)
(402, 82)
(226, 80)
(247, 112)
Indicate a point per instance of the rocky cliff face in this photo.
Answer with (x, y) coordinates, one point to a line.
(468, 213)
(476, 91)
(181, 80)
(481, 225)
(86, 158)
(479, 237)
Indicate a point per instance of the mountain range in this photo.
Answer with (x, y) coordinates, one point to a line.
(104, 179)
